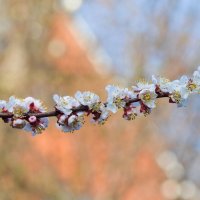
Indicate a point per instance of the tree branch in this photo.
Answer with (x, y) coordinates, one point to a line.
(81, 108)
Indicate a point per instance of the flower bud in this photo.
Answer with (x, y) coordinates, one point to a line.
(18, 123)
(32, 119)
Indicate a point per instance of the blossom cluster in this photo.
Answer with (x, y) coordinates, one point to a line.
(29, 114)
(23, 114)
(72, 110)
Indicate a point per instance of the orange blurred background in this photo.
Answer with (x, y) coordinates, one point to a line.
(46, 49)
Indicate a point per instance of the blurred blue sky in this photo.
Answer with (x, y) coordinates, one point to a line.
(117, 25)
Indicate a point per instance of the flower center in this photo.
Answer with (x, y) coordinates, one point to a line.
(64, 103)
(79, 119)
(117, 101)
(191, 86)
(87, 98)
(131, 116)
(39, 128)
(177, 96)
(165, 80)
(147, 96)
(96, 107)
(19, 111)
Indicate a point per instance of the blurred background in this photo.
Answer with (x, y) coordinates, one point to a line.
(61, 46)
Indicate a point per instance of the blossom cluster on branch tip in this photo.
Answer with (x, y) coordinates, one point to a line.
(30, 114)
(23, 111)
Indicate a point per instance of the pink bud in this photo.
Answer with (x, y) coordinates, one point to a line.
(32, 119)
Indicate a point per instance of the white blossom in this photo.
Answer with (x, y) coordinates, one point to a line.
(162, 83)
(146, 93)
(34, 105)
(71, 123)
(21, 108)
(117, 97)
(65, 104)
(37, 126)
(178, 92)
(17, 107)
(87, 98)
(192, 85)
(100, 115)
(148, 97)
